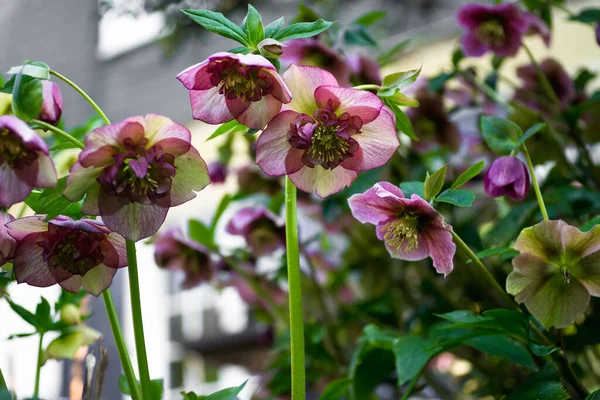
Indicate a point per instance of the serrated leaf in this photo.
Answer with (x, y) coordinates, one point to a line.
(469, 174)
(336, 390)
(253, 26)
(434, 183)
(529, 133)
(501, 135)
(413, 187)
(27, 97)
(369, 18)
(458, 197)
(398, 80)
(219, 24)
(274, 27)
(302, 30)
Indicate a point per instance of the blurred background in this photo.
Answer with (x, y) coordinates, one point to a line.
(126, 54)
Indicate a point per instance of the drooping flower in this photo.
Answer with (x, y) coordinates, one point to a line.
(227, 86)
(557, 270)
(507, 176)
(217, 171)
(364, 69)
(496, 28)
(74, 254)
(174, 251)
(263, 231)
(411, 228)
(7, 242)
(560, 81)
(537, 26)
(25, 162)
(51, 103)
(327, 134)
(133, 171)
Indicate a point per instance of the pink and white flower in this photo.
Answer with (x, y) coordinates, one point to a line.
(326, 134)
(227, 86)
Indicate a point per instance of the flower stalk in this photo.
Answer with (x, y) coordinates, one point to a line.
(38, 368)
(534, 183)
(58, 132)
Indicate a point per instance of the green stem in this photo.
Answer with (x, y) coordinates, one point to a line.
(58, 132)
(367, 87)
(83, 94)
(413, 383)
(138, 324)
(136, 393)
(534, 183)
(38, 368)
(2, 381)
(295, 293)
(543, 78)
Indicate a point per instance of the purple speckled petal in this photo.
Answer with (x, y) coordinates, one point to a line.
(103, 142)
(259, 113)
(196, 77)
(7, 243)
(377, 204)
(22, 227)
(360, 103)
(209, 106)
(174, 138)
(51, 104)
(322, 181)
(12, 189)
(272, 146)
(29, 267)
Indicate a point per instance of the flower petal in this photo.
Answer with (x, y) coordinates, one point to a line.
(116, 256)
(22, 227)
(259, 113)
(72, 284)
(7, 243)
(302, 81)
(588, 272)
(472, 46)
(577, 244)
(377, 204)
(361, 103)
(174, 138)
(98, 279)
(543, 239)
(209, 106)
(12, 189)
(322, 181)
(530, 274)
(103, 142)
(272, 146)
(46, 173)
(196, 77)
(441, 247)
(191, 176)
(133, 220)
(29, 267)
(280, 90)
(80, 181)
(415, 254)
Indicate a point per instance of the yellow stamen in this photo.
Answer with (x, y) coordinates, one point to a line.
(402, 233)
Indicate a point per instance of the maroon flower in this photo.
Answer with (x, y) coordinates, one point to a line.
(7, 242)
(496, 28)
(68, 252)
(51, 103)
(264, 231)
(537, 26)
(217, 171)
(507, 176)
(175, 252)
(562, 85)
(25, 162)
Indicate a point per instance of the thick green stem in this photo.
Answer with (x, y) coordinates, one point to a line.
(111, 312)
(83, 94)
(38, 368)
(58, 132)
(138, 324)
(295, 293)
(534, 183)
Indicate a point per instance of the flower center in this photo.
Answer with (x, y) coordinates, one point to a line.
(236, 80)
(139, 175)
(402, 233)
(13, 151)
(491, 33)
(325, 137)
(74, 251)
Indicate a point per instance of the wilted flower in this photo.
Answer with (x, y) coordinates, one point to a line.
(365, 70)
(411, 229)
(557, 271)
(132, 172)
(507, 176)
(68, 252)
(327, 134)
(264, 231)
(496, 28)
(25, 162)
(560, 81)
(7, 242)
(226, 86)
(217, 171)
(175, 252)
(537, 26)
(51, 103)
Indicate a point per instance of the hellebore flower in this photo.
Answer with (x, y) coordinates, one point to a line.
(598, 34)
(217, 171)
(560, 81)
(364, 70)
(51, 103)
(557, 271)
(496, 28)
(7, 242)
(537, 26)
(175, 252)
(263, 231)
(315, 53)
(68, 252)
(132, 172)
(25, 162)
(411, 229)
(327, 134)
(226, 86)
(507, 176)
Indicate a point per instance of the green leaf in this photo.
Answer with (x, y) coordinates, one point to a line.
(36, 69)
(460, 198)
(403, 123)
(156, 387)
(336, 390)
(412, 353)
(588, 15)
(67, 344)
(358, 35)
(219, 24)
(253, 26)
(27, 97)
(302, 30)
(201, 233)
(504, 347)
(239, 50)
(25, 314)
(401, 99)
(369, 367)
(251, 131)
(594, 396)
(543, 385)
(227, 394)
(369, 18)
(501, 135)
(392, 54)
(229, 127)
(398, 80)
(225, 201)
(590, 224)
(51, 201)
(274, 27)
(469, 174)
(413, 187)
(434, 183)
(529, 133)
(498, 251)
(457, 56)
(42, 315)
(438, 82)
(542, 350)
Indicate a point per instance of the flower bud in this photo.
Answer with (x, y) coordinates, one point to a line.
(508, 176)
(217, 172)
(70, 315)
(51, 103)
(270, 48)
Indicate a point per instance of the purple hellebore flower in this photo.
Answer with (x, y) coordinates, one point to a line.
(537, 26)
(227, 86)
(7, 242)
(133, 171)
(326, 134)
(496, 28)
(25, 162)
(562, 85)
(411, 228)
(51, 103)
(507, 176)
(68, 252)
(264, 231)
(175, 252)
(365, 70)
(217, 171)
